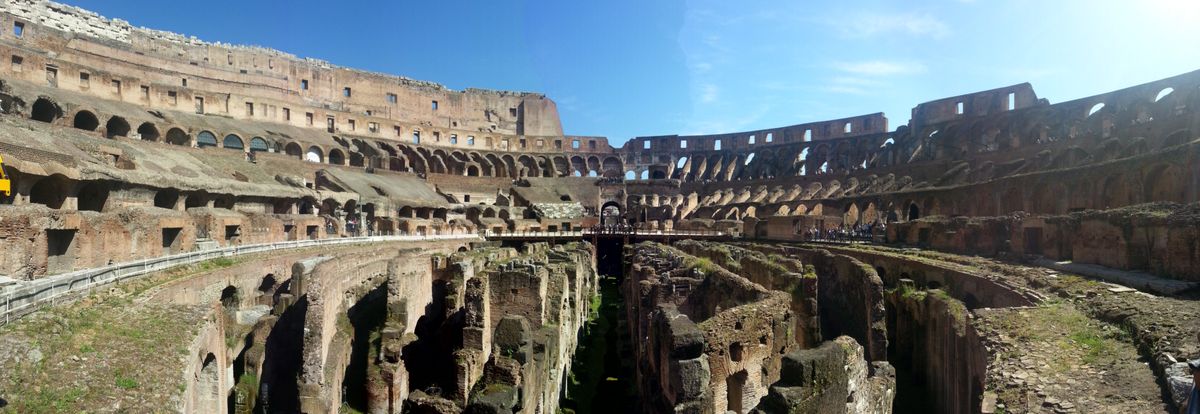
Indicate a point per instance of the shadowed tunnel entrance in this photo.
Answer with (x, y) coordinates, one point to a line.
(601, 378)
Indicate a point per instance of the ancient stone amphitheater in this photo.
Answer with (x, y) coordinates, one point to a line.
(209, 228)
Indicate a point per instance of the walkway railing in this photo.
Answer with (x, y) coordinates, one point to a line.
(601, 232)
(26, 296)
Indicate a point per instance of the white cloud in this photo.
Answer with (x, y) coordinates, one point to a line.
(879, 68)
(708, 93)
(851, 80)
(728, 123)
(870, 25)
(845, 89)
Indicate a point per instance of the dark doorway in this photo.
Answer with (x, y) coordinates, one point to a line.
(86, 121)
(1033, 240)
(170, 239)
(93, 196)
(45, 111)
(116, 126)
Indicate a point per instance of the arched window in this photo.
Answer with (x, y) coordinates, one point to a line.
(258, 144)
(233, 142)
(148, 131)
(86, 121)
(45, 111)
(292, 149)
(206, 139)
(176, 136)
(336, 157)
(314, 154)
(117, 127)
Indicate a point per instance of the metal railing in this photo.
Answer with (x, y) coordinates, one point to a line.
(601, 232)
(26, 296)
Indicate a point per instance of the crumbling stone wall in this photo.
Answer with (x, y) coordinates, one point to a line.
(934, 336)
(849, 298)
(481, 346)
(706, 339)
(831, 378)
(774, 272)
(1156, 237)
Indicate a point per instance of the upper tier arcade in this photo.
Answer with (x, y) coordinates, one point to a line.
(72, 48)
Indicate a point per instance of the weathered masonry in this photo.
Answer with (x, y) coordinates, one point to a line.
(191, 229)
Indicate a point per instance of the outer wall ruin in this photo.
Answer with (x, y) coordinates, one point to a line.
(479, 239)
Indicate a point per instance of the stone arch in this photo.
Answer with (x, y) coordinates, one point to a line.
(562, 167)
(293, 149)
(268, 283)
(1115, 192)
(208, 386)
(578, 165)
(800, 210)
(314, 154)
(817, 210)
(611, 167)
(357, 159)
(329, 207)
(306, 205)
(870, 213)
(86, 121)
(148, 131)
(851, 215)
(206, 139)
(258, 144)
(45, 110)
(528, 167)
(472, 171)
(397, 164)
(50, 191)
(232, 141)
(1165, 183)
(116, 127)
(498, 167)
(337, 157)
(230, 297)
(913, 211)
(437, 163)
(739, 392)
(176, 136)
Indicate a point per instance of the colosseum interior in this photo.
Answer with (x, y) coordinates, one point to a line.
(209, 228)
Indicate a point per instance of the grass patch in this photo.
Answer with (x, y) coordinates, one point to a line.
(126, 382)
(117, 333)
(704, 265)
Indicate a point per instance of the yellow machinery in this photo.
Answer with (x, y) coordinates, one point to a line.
(5, 184)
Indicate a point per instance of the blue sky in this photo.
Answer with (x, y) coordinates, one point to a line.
(626, 68)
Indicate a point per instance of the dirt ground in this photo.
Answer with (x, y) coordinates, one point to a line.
(1089, 347)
